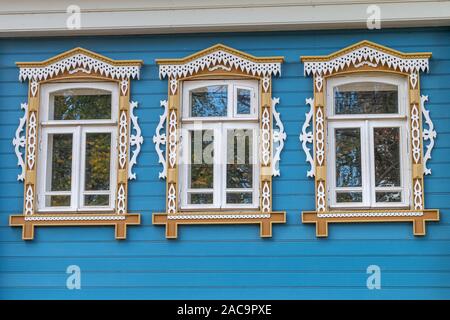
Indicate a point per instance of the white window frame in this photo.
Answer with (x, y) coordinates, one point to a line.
(219, 125)
(78, 129)
(232, 85)
(366, 123)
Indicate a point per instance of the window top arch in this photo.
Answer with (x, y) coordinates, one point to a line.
(219, 58)
(366, 54)
(79, 59)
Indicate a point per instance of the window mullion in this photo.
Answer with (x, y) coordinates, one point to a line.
(368, 157)
(77, 169)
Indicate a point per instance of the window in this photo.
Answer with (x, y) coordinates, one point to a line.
(220, 127)
(368, 137)
(223, 140)
(77, 169)
(367, 142)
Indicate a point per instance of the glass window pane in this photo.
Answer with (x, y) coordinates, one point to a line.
(57, 201)
(389, 196)
(348, 157)
(211, 101)
(81, 104)
(239, 158)
(98, 157)
(239, 197)
(96, 200)
(348, 197)
(387, 156)
(59, 162)
(243, 101)
(202, 159)
(200, 198)
(366, 97)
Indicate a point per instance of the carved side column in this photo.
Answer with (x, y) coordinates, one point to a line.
(319, 144)
(415, 110)
(123, 146)
(172, 132)
(265, 123)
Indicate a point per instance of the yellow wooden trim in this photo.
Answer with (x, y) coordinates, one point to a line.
(28, 226)
(218, 47)
(265, 223)
(365, 43)
(322, 223)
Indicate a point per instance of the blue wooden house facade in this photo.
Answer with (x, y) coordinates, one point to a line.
(313, 221)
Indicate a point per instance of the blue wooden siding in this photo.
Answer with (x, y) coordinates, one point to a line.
(228, 261)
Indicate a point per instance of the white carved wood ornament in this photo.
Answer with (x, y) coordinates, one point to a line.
(161, 139)
(428, 134)
(136, 140)
(219, 55)
(279, 136)
(80, 60)
(19, 142)
(306, 137)
(366, 51)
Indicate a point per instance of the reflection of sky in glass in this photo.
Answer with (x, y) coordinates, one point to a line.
(209, 101)
(365, 97)
(239, 158)
(387, 156)
(348, 157)
(82, 104)
(243, 101)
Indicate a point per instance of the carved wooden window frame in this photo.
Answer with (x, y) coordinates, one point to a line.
(77, 65)
(220, 62)
(365, 58)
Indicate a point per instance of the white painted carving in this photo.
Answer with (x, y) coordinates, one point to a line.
(415, 133)
(171, 199)
(124, 86)
(172, 138)
(223, 58)
(366, 63)
(221, 67)
(370, 214)
(307, 137)
(320, 196)
(136, 140)
(34, 88)
(428, 134)
(413, 78)
(123, 139)
(279, 136)
(79, 70)
(418, 204)
(78, 60)
(173, 86)
(366, 53)
(32, 140)
(19, 141)
(74, 218)
(217, 216)
(161, 139)
(121, 197)
(320, 136)
(266, 83)
(265, 197)
(318, 79)
(265, 137)
(29, 200)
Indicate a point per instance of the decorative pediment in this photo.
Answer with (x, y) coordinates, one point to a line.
(76, 60)
(219, 57)
(366, 53)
